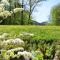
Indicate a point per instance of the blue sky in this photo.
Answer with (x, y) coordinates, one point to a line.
(41, 13)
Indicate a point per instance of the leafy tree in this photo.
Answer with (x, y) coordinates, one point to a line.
(13, 8)
(55, 15)
(32, 4)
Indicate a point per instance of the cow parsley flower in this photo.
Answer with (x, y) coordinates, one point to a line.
(17, 41)
(14, 42)
(16, 49)
(25, 54)
(3, 36)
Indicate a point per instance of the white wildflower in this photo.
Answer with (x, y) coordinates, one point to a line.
(14, 42)
(21, 53)
(16, 49)
(25, 54)
(17, 10)
(3, 36)
(28, 54)
(5, 43)
(17, 41)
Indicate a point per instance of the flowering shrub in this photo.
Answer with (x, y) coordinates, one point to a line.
(5, 11)
(12, 43)
(1, 7)
(12, 49)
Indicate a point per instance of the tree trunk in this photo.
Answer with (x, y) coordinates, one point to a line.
(29, 12)
(22, 13)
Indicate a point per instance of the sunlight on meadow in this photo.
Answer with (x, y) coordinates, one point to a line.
(29, 30)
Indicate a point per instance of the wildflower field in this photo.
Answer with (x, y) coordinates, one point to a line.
(29, 42)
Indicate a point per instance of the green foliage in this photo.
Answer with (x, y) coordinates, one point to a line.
(15, 18)
(38, 55)
(55, 15)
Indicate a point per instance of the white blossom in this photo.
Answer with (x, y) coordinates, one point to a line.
(17, 41)
(25, 54)
(3, 36)
(1, 7)
(5, 14)
(16, 49)
(5, 2)
(14, 42)
(6, 42)
(17, 10)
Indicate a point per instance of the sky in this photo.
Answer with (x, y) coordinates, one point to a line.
(42, 11)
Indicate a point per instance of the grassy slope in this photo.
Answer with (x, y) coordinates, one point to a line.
(41, 32)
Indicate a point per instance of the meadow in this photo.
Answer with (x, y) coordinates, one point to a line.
(40, 32)
(29, 41)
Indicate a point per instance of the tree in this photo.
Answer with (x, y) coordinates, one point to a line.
(8, 9)
(22, 13)
(55, 15)
(32, 5)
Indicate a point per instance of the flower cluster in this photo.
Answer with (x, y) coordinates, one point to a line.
(17, 10)
(25, 54)
(17, 41)
(13, 48)
(5, 14)
(5, 2)
(1, 7)
(13, 42)
(16, 49)
(3, 36)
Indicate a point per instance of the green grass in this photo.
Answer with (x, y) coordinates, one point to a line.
(41, 32)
